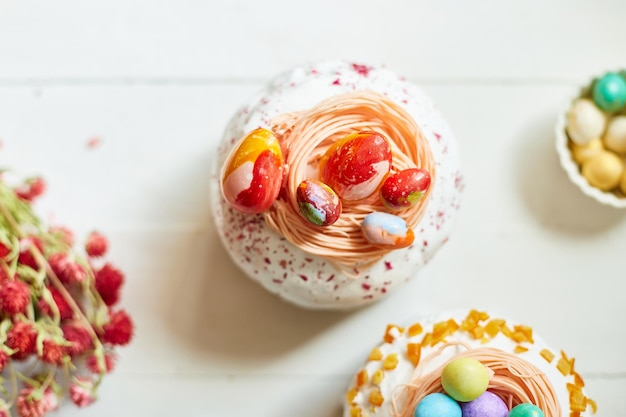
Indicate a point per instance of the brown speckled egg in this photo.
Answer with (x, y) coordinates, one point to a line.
(604, 171)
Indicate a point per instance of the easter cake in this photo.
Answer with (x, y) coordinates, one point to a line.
(335, 184)
(466, 364)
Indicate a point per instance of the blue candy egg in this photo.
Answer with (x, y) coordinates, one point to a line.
(487, 405)
(609, 92)
(437, 405)
(526, 410)
(387, 230)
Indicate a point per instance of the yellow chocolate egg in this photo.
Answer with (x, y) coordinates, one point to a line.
(581, 153)
(615, 136)
(603, 171)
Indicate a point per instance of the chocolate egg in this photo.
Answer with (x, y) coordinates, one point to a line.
(356, 165)
(585, 122)
(609, 92)
(387, 230)
(581, 153)
(615, 136)
(318, 203)
(603, 171)
(253, 173)
(405, 188)
(622, 184)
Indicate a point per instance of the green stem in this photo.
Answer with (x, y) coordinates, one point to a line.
(13, 378)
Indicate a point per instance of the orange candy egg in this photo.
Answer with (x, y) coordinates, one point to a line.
(253, 172)
(356, 165)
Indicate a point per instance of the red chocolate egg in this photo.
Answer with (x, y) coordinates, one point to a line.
(405, 188)
(318, 203)
(253, 173)
(356, 165)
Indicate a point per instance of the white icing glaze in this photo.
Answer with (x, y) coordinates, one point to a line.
(403, 372)
(308, 280)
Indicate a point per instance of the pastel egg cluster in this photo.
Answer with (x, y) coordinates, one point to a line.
(351, 170)
(465, 382)
(596, 128)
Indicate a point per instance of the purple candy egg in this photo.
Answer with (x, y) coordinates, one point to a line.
(487, 405)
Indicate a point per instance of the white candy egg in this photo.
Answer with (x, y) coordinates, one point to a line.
(585, 121)
(615, 137)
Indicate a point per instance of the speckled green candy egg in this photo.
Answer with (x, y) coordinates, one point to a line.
(465, 379)
(609, 92)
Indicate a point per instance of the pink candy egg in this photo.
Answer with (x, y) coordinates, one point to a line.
(404, 189)
(253, 173)
(356, 165)
(318, 203)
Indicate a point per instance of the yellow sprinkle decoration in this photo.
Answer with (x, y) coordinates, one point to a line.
(390, 362)
(376, 398)
(378, 377)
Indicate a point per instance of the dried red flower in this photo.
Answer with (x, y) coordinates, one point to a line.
(119, 329)
(29, 406)
(80, 338)
(50, 400)
(53, 353)
(4, 359)
(82, 392)
(14, 296)
(94, 366)
(31, 189)
(26, 257)
(66, 235)
(96, 245)
(68, 271)
(4, 250)
(22, 337)
(109, 281)
(65, 311)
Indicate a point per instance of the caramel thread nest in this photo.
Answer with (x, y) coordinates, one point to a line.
(306, 135)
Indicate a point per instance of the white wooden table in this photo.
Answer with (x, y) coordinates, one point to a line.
(156, 81)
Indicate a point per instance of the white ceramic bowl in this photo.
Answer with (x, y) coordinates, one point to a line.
(572, 168)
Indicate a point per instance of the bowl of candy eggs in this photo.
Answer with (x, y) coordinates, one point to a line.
(591, 139)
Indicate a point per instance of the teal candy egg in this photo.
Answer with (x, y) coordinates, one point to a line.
(609, 92)
(318, 203)
(526, 410)
(438, 405)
